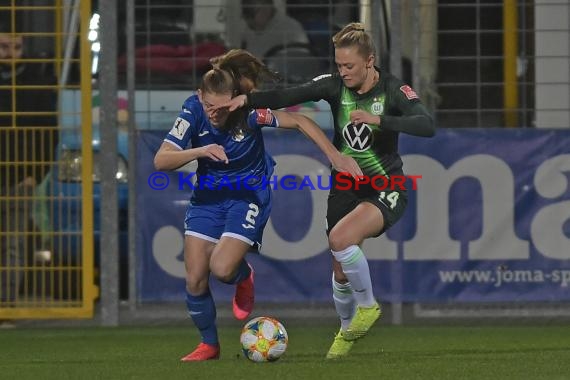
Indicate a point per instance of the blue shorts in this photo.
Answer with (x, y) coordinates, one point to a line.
(239, 214)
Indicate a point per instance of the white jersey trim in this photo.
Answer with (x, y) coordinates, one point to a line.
(173, 143)
(201, 236)
(239, 237)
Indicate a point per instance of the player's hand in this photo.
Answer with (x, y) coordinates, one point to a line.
(233, 104)
(215, 152)
(346, 164)
(361, 116)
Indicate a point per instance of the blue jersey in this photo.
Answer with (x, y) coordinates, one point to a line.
(244, 148)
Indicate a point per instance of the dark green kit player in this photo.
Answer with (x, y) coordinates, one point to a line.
(370, 108)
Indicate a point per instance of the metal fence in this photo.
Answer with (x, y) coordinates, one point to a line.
(502, 63)
(46, 233)
(492, 63)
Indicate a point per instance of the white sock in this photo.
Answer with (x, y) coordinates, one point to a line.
(355, 267)
(344, 303)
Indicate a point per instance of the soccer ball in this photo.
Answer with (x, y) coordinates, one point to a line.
(263, 339)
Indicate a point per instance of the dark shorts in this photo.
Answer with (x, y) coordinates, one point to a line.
(392, 203)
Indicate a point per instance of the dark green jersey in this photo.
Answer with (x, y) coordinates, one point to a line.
(374, 147)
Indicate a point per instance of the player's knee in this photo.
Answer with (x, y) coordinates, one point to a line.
(339, 240)
(224, 276)
(196, 286)
(224, 272)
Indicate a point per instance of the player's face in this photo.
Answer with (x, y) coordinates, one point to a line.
(10, 46)
(352, 66)
(257, 18)
(210, 100)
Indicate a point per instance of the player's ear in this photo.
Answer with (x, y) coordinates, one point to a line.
(370, 62)
(199, 93)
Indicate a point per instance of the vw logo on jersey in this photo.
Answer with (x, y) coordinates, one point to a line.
(357, 136)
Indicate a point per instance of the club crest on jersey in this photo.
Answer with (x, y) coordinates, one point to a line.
(409, 92)
(179, 128)
(238, 135)
(377, 108)
(357, 136)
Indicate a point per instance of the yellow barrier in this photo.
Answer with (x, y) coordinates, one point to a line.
(46, 271)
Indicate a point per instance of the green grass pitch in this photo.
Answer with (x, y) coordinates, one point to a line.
(501, 352)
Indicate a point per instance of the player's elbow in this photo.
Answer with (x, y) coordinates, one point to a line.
(159, 162)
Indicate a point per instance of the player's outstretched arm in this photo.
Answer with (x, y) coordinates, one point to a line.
(340, 162)
(170, 157)
(232, 104)
(279, 98)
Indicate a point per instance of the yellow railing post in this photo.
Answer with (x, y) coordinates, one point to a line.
(510, 45)
(89, 289)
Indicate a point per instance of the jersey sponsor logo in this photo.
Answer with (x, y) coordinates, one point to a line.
(264, 116)
(347, 102)
(180, 127)
(409, 92)
(203, 133)
(323, 76)
(357, 136)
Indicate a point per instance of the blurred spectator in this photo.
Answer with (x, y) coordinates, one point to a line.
(166, 50)
(28, 137)
(268, 28)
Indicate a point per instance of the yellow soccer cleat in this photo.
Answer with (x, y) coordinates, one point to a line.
(363, 320)
(340, 347)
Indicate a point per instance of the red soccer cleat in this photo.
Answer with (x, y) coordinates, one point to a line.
(244, 297)
(203, 352)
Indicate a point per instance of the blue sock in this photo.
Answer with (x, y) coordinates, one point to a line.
(202, 310)
(243, 272)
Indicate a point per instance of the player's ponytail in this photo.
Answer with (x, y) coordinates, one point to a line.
(248, 70)
(354, 34)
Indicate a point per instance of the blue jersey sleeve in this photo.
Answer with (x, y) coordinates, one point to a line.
(262, 117)
(181, 131)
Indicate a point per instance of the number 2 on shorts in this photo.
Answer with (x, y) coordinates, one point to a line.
(250, 216)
